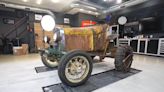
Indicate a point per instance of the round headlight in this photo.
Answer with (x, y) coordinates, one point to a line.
(48, 23)
(55, 37)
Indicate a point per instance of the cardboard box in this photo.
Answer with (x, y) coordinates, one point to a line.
(17, 50)
(25, 49)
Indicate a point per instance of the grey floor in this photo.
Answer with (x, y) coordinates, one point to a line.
(17, 74)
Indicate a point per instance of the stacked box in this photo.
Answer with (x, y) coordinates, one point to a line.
(25, 49)
(21, 50)
(17, 50)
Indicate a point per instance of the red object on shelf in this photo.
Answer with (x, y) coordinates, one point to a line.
(86, 23)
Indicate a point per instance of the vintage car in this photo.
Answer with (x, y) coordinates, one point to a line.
(73, 50)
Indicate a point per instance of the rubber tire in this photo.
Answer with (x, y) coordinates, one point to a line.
(44, 61)
(121, 53)
(62, 65)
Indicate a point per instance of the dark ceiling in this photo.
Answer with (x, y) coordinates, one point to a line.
(106, 3)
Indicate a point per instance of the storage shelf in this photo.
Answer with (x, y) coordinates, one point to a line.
(152, 46)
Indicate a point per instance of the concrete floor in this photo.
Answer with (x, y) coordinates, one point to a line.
(17, 74)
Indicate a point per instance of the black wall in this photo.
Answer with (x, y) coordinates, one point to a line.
(75, 20)
(152, 8)
(15, 15)
(25, 36)
(4, 28)
(82, 16)
(60, 18)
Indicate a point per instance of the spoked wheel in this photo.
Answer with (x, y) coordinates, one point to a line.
(123, 58)
(49, 63)
(75, 68)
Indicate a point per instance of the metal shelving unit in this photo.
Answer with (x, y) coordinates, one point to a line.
(161, 47)
(152, 46)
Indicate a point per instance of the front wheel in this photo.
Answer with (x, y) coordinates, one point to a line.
(50, 63)
(75, 68)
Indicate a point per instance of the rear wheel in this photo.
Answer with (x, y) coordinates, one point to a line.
(75, 68)
(123, 58)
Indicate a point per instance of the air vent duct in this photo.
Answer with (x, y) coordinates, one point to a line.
(21, 7)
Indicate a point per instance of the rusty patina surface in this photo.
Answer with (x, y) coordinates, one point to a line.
(87, 39)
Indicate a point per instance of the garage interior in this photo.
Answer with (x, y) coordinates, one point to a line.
(24, 39)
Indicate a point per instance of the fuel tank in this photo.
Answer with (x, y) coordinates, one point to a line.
(85, 38)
